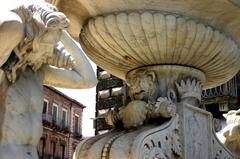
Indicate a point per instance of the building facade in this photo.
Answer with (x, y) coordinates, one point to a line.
(111, 93)
(221, 99)
(62, 125)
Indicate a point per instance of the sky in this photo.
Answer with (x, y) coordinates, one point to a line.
(84, 96)
(88, 98)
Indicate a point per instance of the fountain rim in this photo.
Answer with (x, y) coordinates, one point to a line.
(178, 69)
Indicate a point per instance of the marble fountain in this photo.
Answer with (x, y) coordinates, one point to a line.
(167, 51)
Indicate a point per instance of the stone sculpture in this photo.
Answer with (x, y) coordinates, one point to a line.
(146, 103)
(35, 51)
(230, 134)
(167, 51)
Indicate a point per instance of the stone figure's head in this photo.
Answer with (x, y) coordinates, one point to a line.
(43, 28)
(143, 85)
(49, 23)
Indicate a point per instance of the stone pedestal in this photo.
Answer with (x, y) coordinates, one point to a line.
(188, 135)
(199, 139)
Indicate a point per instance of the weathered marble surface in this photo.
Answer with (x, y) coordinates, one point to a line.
(230, 135)
(219, 13)
(21, 119)
(116, 31)
(182, 137)
(166, 50)
(129, 40)
(35, 50)
(155, 91)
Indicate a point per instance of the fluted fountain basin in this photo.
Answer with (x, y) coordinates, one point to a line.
(121, 42)
(209, 44)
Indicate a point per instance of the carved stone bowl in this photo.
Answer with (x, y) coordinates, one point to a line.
(121, 42)
(122, 35)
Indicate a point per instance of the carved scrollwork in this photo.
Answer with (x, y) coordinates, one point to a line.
(164, 144)
(219, 152)
(156, 153)
(163, 108)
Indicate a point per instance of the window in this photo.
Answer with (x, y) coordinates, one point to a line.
(45, 106)
(104, 75)
(64, 118)
(53, 150)
(117, 91)
(76, 119)
(104, 94)
(103, 111)
(54, 112)
(63, 151)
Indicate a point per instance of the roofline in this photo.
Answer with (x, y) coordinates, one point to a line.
(65, 96)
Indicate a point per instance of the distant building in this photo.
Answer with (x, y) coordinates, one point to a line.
(221, 99)
(62, 125)
(112, 94)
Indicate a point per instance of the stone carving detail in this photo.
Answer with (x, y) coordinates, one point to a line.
(200, 140)
(33, 40)
(163, 144)
(190, 90)
(137, 39)
(231, 133)
(197, 146)
(152, 45)
(150, 141)
(107, 147)
(146, 102)
(219, 152)
(39, 20)
(164, 107)
(136, 112)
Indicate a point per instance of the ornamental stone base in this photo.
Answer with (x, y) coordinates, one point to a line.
(189, 135)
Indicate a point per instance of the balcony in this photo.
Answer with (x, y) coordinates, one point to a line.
(100, 124)
(109, 83)
(227, 89)
(55, 124)
(225, 96)
(77, 135)
(115, 101)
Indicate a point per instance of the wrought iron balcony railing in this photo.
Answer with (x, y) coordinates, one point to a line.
(114, 101)
(227, 89)
(109, 83)
(58, 123)
(100, 124)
